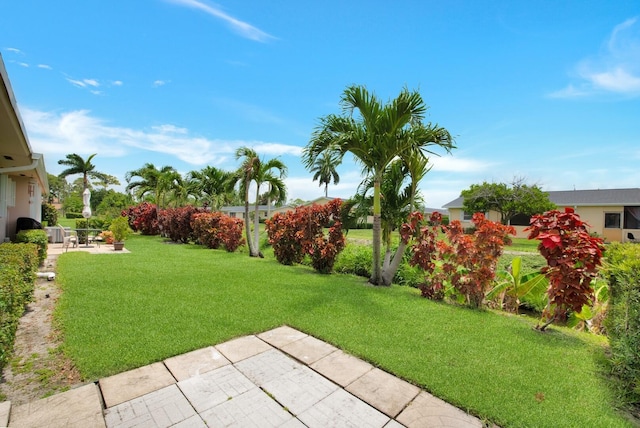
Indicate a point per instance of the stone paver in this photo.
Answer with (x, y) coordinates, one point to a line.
(281, 336)
(251, 409)
(195, 363)
(215, 387)
(267, 366)
(5, 408)
(384, 391)
(341, 409)
(135, 383)
(341, 368)
(162, 408)
(193, 422)
(299, 389)
(309, 349)
(428, 411)
(79, 407)
(243, 347)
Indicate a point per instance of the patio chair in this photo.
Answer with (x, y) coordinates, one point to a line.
(69, 237)
(632, 238)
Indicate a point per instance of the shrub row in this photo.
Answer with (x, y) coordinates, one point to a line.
(623, 317)
(17, 279)
(187, 224)
(35, 236)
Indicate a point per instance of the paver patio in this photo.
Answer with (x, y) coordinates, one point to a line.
(279, 378)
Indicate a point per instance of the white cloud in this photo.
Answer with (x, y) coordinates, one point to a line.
(244, 29)
(158, 83)
(59, 133)
(275, 149)
(91, 82)
(14, 50)
(616, 69)
(168, 129)
(45, 66)
(117, 83)
(84, 82)
(455, 164)
(23, 64)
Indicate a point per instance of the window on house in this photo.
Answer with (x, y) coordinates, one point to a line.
(520, 220)
(466, 216)
(612, 220)
(632, 217)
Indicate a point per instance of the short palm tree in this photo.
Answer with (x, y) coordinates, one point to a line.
(254, 169)
(211, 184)
(78, 165)
(153, 181)
(324, 168)
(376, 133)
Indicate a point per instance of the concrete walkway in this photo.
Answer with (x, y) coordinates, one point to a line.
(282, 377)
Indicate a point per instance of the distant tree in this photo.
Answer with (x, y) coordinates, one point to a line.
(324, 169)
(212, 186)
(508, 200)
(154, 182)
(106, 181)
(78, 165)
(296, 202)
(112, 203)
(58, 187)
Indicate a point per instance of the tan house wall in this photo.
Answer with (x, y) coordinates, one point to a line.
(593, 216)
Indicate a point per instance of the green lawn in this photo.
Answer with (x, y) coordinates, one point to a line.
(123, 311)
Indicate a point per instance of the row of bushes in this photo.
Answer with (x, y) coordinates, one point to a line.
(35, 236)
(623, 317)
(17, 279)
(187, 224)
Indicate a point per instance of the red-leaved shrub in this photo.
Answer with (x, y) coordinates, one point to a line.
(467, 262)
(175, 223)
(143, 218)
(573, 257)
(215, 229)
(296, 233)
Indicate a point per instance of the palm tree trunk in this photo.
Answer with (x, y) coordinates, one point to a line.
(256, 225)
(326, 190)
(389, 272)
(376, 272)
(247, 222)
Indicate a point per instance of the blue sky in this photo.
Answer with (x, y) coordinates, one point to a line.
(544, 90)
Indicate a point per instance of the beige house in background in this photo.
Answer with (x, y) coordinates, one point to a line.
(264, 212)
(23, 177)
(611, 213)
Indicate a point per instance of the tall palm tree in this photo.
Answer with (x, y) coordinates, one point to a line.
(77, 165)
(376, 133)
(324, 167)
(254, 169)
(153, 182)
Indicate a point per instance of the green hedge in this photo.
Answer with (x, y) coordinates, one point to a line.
(623, 317)
(19, 264)
(35, 236)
